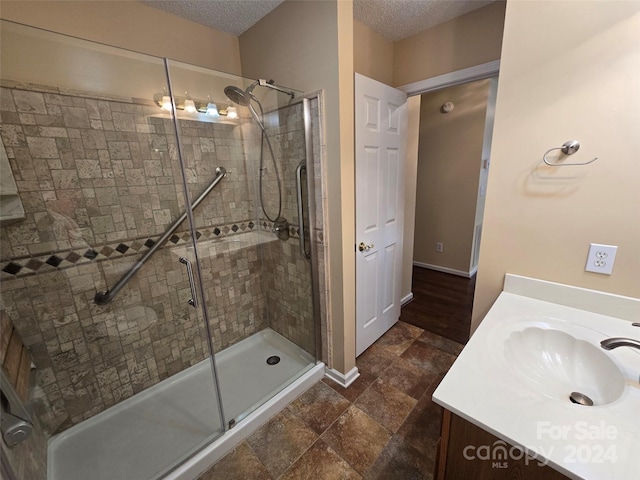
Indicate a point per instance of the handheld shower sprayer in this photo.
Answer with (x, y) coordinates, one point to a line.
(244, 98)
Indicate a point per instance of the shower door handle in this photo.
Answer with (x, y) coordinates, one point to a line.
(303, 240)
(193, 301)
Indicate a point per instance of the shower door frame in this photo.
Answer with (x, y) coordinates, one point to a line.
(192, 231)
(311, 197)
(228, 424)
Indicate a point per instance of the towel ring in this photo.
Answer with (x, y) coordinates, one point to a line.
(568, 148)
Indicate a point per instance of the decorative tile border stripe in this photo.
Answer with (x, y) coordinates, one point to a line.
(60, 260)
(30, 265)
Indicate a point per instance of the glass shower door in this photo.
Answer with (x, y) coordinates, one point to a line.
(257, 287)
(123, 359)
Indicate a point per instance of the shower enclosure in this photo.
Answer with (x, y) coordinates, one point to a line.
(164, 274)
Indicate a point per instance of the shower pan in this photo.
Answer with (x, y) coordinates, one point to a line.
(168, 305)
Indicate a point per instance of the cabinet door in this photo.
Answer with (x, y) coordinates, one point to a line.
(458, 455)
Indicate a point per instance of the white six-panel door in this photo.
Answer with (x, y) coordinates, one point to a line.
(381, 120)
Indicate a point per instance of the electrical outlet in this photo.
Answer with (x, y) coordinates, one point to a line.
(439, 247)
(601, 258)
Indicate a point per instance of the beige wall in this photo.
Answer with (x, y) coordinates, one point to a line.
(449, 163)
(471, 39)
(564, 80)
(372, 54)
(44, 58)
(311, 53)
(131, 25)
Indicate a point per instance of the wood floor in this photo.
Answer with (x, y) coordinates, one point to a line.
(441, 304)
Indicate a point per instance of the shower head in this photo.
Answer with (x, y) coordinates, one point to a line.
(243, 98)
(237, 95)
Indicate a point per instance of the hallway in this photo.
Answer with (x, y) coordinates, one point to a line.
(441, 303)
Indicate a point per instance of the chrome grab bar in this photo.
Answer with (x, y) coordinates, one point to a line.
(102, 298)
(303, 240)
(193, 301)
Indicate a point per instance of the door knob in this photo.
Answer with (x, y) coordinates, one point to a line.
(363, 247)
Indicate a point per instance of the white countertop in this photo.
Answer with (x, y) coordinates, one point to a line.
(488, 388)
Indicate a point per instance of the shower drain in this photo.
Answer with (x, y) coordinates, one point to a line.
(273, 360)
(581, 399)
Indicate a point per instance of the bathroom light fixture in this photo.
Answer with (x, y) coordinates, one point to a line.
(203, 110)
(166, 103)
(189, 104)
(212, 109)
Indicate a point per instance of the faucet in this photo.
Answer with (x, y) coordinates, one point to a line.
(611, 343)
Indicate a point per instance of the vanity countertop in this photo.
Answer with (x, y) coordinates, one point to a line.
(510, 381)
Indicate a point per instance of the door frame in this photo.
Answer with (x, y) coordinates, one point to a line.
(466, 75)
(457, 77)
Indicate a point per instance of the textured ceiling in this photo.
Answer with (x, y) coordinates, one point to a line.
(393, 19)
(398, 19)
(231, 16)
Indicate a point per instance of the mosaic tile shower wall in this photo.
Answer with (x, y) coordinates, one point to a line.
(99, 180)
(289, 296)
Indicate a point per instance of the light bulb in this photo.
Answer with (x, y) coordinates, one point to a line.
(190, 106)
(212, 109)
(166, 103)
(232, 113)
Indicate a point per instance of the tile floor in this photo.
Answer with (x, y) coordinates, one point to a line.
(384, 426)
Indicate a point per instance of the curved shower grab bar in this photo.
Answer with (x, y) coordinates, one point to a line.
(303, 239)
(568, 148)
(102, 298)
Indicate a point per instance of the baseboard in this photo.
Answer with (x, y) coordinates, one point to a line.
(406, 299)
(342, 379)
(460, 273)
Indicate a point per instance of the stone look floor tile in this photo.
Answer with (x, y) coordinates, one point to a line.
(279, 442)
(319, 407)
(374, 360)
(398, 338)
(320, 462)
(353, 391)
(407, 377)
(399, 461)
(444, 344)
(386, 404)
(421, 429)
(431, 359)
(392, 389)
(357, 438)
(239, 464)
(413, 330)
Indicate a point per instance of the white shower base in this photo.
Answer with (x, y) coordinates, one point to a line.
(143, 436)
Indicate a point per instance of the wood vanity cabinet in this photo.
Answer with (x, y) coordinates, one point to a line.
(461, 458)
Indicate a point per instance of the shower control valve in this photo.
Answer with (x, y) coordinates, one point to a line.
(281, 228)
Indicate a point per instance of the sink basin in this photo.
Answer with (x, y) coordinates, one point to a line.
(555, 364)
(519, 368)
